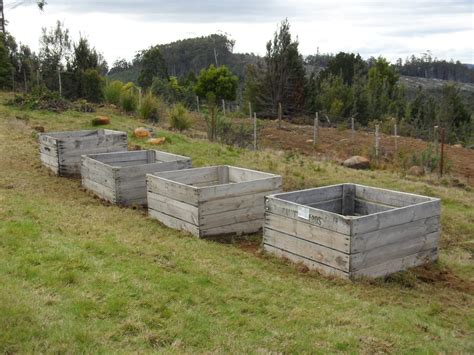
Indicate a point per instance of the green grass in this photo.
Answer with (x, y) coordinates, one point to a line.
(78, 275)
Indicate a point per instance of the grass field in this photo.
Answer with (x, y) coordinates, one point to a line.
(78, 275)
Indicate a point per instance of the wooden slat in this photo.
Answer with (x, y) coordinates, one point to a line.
(348, 200)
(388, 197)
(191, 176)
(334, 206)
(173, 207)
(141, 170)
(399, 264)
(409, 246)
(172, 189)
(49, 160)
(311, 264)
(174, 223)
(234, 203)
(237, 189)
(395, 217)
(323, 219)
(314, 195)
(363, 208)
(231, 217)
(242, 228)
(310, 232)
(100, 190)
(306, 249)
(394, 234)
(237, 174)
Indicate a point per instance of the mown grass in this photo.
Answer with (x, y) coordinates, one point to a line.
(78, 275)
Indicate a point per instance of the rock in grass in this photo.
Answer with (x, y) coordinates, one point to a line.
(357, 162)
(157, 141)
(100, 121)
(142, 132)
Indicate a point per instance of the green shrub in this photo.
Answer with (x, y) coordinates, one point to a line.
(92, 85)
(112, 92)
(150, 108)
(129, 98)
(179, 118)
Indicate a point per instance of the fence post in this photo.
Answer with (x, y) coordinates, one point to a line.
(197, 103)
(279, 114)
(436, 139)
(250, 110)
(139, 96)
(60, 83)
(254, 131)
(352, 130)
(377, 140)
(441, 160)
(315, 129)
(395, 133)
(223, 107)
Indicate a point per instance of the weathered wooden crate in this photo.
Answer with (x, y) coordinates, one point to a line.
(211, 201)
(352, 230)
(61, 151)
(121, 177)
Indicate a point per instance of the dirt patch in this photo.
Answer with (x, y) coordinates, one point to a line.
(444, 277)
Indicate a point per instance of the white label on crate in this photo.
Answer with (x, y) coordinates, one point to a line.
(303, 212)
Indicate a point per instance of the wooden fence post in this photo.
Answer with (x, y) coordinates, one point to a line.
(436, 139)
(315, 129)
(441, 160)
(139, 97)
(353, 130)
(254, 131)
(197, 103)
(377, 140)
(250, 110)
(279, 114)
(223, 107)
(395, 134)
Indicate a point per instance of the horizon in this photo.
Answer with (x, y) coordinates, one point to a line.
(372, 28)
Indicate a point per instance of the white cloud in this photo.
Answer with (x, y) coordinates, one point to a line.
(391, 29)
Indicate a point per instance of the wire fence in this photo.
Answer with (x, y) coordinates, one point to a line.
(246, 133)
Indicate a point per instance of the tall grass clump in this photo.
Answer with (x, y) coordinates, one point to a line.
(112, 92)
(129, 98)
(179, 118)
(150, 108)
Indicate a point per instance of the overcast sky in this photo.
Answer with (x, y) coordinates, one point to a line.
(393, 29)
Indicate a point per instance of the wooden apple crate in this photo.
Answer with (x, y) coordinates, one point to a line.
(212, 201)
(61, 151)
(352, 230)
(121, 177)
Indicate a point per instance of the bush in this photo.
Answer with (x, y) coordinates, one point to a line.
(129, 98)
(92, 85)
(149, 108)
(179, 118)
(239, 135)
(112, 92)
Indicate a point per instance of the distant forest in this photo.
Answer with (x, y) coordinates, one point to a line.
(194, 54)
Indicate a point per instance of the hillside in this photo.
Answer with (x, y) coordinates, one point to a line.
(83, 276)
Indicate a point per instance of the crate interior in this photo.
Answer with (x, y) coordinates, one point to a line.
(352, 200)
(214, 175)
(76, 134)
(134, 158)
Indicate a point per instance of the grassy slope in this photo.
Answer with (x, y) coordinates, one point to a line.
(81, 276)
